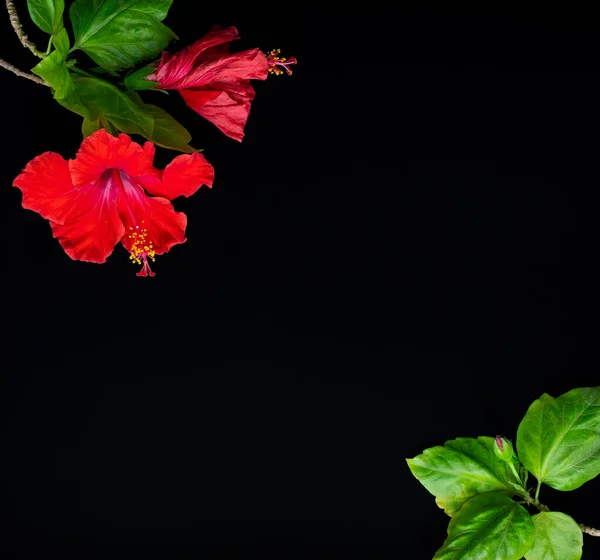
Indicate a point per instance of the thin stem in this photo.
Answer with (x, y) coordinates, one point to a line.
(14, 20)
(537, 491)
(18, 72)
(49, 47)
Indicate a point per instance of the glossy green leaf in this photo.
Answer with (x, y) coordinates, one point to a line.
(47, 14)
(54, 71)
(105, 100)
(558, 440)
(136, 81)
(118, 34)
(488, 527)
(557, 537)
(461, 469)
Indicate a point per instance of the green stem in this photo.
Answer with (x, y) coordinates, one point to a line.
(536, 504)
(533, 501)
(49, 46)
(537, 490)
(514, 471)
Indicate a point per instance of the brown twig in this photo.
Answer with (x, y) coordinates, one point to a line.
(14, 20)
(18, 72)
(590, 530)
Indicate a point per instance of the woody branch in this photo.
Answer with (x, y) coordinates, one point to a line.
(18, 72)
(590, 530)
(16, 23)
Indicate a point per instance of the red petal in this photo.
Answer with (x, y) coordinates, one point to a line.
(180, 64)
(228, 109)
(164, 227)
(101, 151)
(166, 56)
(212, 53)
(93, 228)
(214, 38)
(247, 65)
(47, 187)
(182, 177)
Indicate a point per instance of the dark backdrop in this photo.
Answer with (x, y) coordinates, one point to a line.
(390, 259)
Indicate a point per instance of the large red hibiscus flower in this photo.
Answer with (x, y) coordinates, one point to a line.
(216, 84)
(99, 198)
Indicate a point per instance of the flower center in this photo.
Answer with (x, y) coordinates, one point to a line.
(279, 64)
(141, 249)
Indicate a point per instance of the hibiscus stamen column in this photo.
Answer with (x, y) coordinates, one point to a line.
(276, 63)
(141, 250)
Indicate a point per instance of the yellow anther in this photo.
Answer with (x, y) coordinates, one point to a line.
(141, 247)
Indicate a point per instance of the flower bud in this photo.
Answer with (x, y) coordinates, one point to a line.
(504, 449)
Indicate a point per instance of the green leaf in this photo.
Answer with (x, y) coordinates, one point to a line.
(118, 34)
(487, 527)
(105, 100)
(61, 43)
(558, 440)
(47, 14)
(89, 127)
(135, 80)
(54, 71)
(557, 537)
(129, 114)
(103, 72)
(167, 132)
(461, 469)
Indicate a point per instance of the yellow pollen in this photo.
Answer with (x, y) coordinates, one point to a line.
(279, 64)
(141, 247)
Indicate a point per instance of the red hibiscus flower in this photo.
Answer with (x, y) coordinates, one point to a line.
(213, 82)
(98, 199)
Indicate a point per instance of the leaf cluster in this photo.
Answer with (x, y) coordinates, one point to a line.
(118, 36)
(482, 483)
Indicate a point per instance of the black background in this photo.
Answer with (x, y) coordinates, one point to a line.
(392, 258)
